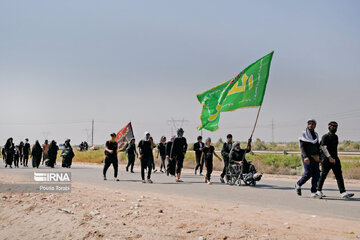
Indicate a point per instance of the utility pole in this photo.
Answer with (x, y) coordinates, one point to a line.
(92, 132)
(272, 130)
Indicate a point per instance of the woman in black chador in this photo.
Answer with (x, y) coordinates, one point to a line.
(9, 152)
(36, 154)
(52, 154)
(67, 154)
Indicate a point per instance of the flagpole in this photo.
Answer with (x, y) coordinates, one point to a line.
(257, 117)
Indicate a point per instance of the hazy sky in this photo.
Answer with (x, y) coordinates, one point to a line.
(63, 63)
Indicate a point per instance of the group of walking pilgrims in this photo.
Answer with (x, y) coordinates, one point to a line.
(15, 154)
(314, 153)
(174, 151)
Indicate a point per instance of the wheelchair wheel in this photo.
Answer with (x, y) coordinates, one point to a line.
(238, 182)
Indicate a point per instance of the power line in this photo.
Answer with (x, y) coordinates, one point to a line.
(173, 123)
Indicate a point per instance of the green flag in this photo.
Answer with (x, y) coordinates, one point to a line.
(247, 89)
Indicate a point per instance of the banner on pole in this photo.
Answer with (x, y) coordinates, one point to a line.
(124, 136)
(247, 89)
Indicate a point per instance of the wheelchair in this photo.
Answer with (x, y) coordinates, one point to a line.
(235, 175)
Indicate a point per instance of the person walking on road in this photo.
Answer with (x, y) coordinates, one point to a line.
(111, 150)
(331, 161)
(36, 154)
(67, 154)
(131, 152)
(21, 151)
(310, 154)
(9, 152)
(170, 169)
(52, 154)
(45, 147)
(162, 152)
(16, 157)
(146, 157)
(227, 146)
(178, 152)
(26, 152)
(198, 147)
(207, 156)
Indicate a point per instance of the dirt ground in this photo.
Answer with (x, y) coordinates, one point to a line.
(91, 212)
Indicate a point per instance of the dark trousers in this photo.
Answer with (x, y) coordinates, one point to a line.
(26, 159)
(209, 169)
(310, 171)
(16, 161)
(179, 163)
(146, 163)
(163, 157)
(21, 159)
(326, 166)
(226, 165)
(131, 162)
(198, 163)
(108, 162)
(171, 167)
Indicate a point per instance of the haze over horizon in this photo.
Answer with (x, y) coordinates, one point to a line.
(65, 63)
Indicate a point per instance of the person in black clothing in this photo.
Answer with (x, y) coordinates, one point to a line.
(238, 156)
(81, 147)
(130, 152)
(207, 156)
(111, 150)
(16, 157)
(21, 151)
(9, 152)
(225, 151)
(170, 170)
(331, 161)
(36, 154)
(52, 154)
(162, 152)
(86, 146)
(310, 154)
(26, 152)
(178, 152)
(146, 147)
(198, 147)
(67, 154)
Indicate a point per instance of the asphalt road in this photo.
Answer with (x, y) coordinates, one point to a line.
(278, 194)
